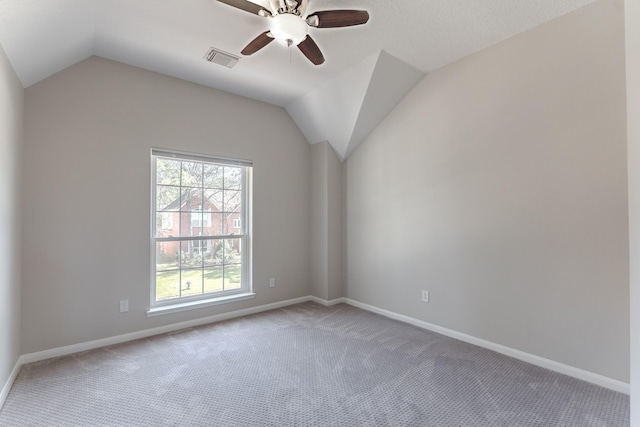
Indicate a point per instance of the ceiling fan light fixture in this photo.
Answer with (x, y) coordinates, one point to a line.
(288, 29)
(289, 24)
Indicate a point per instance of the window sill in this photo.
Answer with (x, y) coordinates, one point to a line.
(191, 305)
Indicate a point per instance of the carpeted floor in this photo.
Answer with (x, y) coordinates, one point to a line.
(304, 365)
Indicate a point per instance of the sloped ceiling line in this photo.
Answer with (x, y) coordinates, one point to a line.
(344, 110)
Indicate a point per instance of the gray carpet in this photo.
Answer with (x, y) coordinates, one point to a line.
(305, 365)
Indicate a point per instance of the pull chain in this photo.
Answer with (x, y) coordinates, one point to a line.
(289, 43)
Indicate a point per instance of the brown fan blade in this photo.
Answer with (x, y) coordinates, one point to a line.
(311, 50)
(256, 44)
(338, 18)
(246, 6)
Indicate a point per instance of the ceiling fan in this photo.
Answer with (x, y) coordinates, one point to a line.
(289, 24)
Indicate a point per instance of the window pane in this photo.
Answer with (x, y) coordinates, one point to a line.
(201, 246)
(229, 227)
(167, 256)
(196, 219)
(192, 174)
(167, 198)
(191, 199)
(213, 199)
(168, 172)
(213, 176)
(232, 251)
(216, 256)
(215, 227)
(165, 224)
(232, 201)
(232, 277)
(213, 281)
(232, 178)
(187, 227)
(206, 218)
(185, 252)
(221, 247)
(192, 256)
(167, 284)
(191, 282)
(200, 219)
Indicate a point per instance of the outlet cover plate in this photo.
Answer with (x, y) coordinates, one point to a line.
(425, 295)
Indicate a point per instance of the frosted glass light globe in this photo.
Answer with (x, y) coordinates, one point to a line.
(288, 29)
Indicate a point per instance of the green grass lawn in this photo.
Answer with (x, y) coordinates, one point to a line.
(170, 284)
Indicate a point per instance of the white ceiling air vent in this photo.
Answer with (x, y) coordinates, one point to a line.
(220, 57)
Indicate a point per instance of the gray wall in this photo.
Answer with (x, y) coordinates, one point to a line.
(326, 222)
(11, 108)
(632, 43)
(88, 134)
(319, 254)
(334, 224)
(499, 184)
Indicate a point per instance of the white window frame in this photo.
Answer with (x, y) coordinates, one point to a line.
(197, 301)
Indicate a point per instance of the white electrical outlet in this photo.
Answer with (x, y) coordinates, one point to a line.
(425, 296)
(272, 283)
(124, 306)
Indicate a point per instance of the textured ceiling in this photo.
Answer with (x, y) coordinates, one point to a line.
(42, 37)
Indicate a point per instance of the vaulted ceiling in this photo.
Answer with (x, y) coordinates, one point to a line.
(368, 68)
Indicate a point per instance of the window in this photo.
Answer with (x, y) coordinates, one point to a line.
(197, 253)
(166, 220)
(200, 246)
(200, 217)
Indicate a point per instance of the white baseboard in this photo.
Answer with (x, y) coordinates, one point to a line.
(10, 380)
(552, 365)
(145, 333)
(327, 303)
